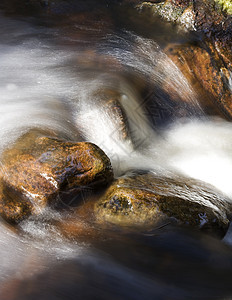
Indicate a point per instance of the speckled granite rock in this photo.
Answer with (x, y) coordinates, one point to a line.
(148, 201)
(179, 12)
(205, 15)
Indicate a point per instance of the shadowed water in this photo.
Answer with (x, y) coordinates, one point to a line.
(52, 77)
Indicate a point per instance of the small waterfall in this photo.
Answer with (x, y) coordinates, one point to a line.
(63, 89)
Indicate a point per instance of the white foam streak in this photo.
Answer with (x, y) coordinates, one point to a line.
(147, 58)
(202, 150)
(38, 89)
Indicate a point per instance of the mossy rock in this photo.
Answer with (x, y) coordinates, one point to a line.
(38, 171)
(226, 5)
(148, 201)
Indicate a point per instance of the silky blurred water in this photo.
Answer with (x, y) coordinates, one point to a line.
(50, 78)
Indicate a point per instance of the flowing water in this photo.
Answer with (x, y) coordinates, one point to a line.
(51, 76)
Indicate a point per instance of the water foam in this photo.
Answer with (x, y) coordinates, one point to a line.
(40, 88)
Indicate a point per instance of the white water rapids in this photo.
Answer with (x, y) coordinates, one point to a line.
(43, 86)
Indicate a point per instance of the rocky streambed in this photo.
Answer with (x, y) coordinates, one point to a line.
(97, 163)
(40, 172)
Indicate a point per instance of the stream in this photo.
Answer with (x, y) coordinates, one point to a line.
(52, 71)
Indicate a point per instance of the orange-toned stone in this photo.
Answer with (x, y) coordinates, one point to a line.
(207, 74)
(38, 169)
(149, 201)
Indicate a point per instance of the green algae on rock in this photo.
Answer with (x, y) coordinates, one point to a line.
(37, 170)
(226, 5)
(148, 201)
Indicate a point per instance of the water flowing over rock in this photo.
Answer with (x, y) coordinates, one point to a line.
(39, 171)
(109, 100)
(206, 71)
(108, 73)
(206, 63)
(150, 201)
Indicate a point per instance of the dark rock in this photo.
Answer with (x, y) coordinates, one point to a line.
(149, 201)
(38, 171)
(175, 263)
(110, 100)
(210, 18)
(35, 7)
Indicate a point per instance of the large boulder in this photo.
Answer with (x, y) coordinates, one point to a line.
(148, 201)
(38, 171)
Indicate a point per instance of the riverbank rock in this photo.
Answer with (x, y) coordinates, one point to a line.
(149, 201)
(39, 171)
(207, 73)
(196, 15)
(206, 62)
(178, 12)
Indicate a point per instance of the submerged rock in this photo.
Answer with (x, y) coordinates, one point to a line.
(110, 101)
(149, 201)
(39, 171)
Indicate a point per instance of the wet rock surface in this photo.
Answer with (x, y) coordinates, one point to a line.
(206, 63)
(110, 100)
(150, 201)
(208, 75)
(42, 171)
(39, 171)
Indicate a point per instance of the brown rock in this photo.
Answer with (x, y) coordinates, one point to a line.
(206, 64)
(149, 201)
(211, 19)
(207, 74)
(38, 171)
(110, 100)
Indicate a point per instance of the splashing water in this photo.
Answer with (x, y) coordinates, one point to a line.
(44, 85)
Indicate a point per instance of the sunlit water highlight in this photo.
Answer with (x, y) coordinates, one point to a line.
(41, 87)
